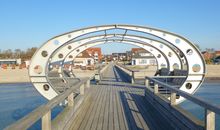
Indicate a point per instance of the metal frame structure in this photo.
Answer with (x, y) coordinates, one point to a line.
(150, 42)
(174, 49)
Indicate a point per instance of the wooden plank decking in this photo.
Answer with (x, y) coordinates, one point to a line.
(117, 106)
(114, 104)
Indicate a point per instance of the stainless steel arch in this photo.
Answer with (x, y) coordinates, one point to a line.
(163, 59)
(172, 59)
(195, 63)
(73, 44)
(83, 46)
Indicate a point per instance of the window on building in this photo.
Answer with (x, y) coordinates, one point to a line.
(152, 62)
(143, 61)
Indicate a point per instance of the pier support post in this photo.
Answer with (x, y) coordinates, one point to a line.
(132, 77)
(71, 100)
(156, 88)
(172, 98)
(87, 83)
(46, 121)
(209, 120)
(82, 89)
(147, 82)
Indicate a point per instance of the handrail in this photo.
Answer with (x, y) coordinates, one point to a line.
(210, 109)
(127, 68)
(28, 120)
(44, 111)
(132, 75)
(190, 97)
(168, 76)
(63, 77)
(104, 68)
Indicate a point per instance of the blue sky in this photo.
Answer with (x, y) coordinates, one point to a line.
(28, 23)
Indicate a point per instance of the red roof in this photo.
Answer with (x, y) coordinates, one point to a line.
(92, 51)
(133, 50)
(84, 54)
(217, 52)
(136, 50)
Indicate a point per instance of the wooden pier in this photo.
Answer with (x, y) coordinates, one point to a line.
(115, 104)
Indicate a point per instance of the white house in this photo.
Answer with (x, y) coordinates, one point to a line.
(142, 57)
(83, 59)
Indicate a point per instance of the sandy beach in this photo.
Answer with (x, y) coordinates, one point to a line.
(21, 75)
(14, 75)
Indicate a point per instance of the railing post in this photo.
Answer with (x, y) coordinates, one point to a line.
(155, 88)
(82, 89)
(60, 71)
(87, 83)
(147, 82)
(46, 121)
(99, 72)
(132, 77)
(209, 120)
(71, 100)
(97, 77)
(172, 98)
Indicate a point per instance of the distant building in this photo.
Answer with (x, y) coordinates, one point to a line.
(83, 59)
(141, 56)
(96, 53)
(107, 58)
(119, 56)
(217, 53)
(10, 61)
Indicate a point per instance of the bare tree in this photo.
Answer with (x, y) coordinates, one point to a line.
(18, 53)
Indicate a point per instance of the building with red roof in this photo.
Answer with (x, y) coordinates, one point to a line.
(96, 53)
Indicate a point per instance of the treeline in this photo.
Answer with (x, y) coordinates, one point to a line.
(18, 53)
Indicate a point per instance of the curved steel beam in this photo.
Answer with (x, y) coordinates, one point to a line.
(171, 54)
(73, 53)
(195, 62)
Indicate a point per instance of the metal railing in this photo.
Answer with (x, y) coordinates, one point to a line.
(210, 109)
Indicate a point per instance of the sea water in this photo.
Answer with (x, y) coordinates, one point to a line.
(209, 92)
(17, 100)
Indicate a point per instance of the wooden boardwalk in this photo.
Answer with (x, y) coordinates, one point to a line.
(114, 105)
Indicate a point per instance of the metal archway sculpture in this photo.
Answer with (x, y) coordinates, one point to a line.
(178, 46)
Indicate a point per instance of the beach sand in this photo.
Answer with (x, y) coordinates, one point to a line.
(21, 75)
(14, 75)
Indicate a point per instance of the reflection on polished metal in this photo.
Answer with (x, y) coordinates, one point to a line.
(171, 50)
